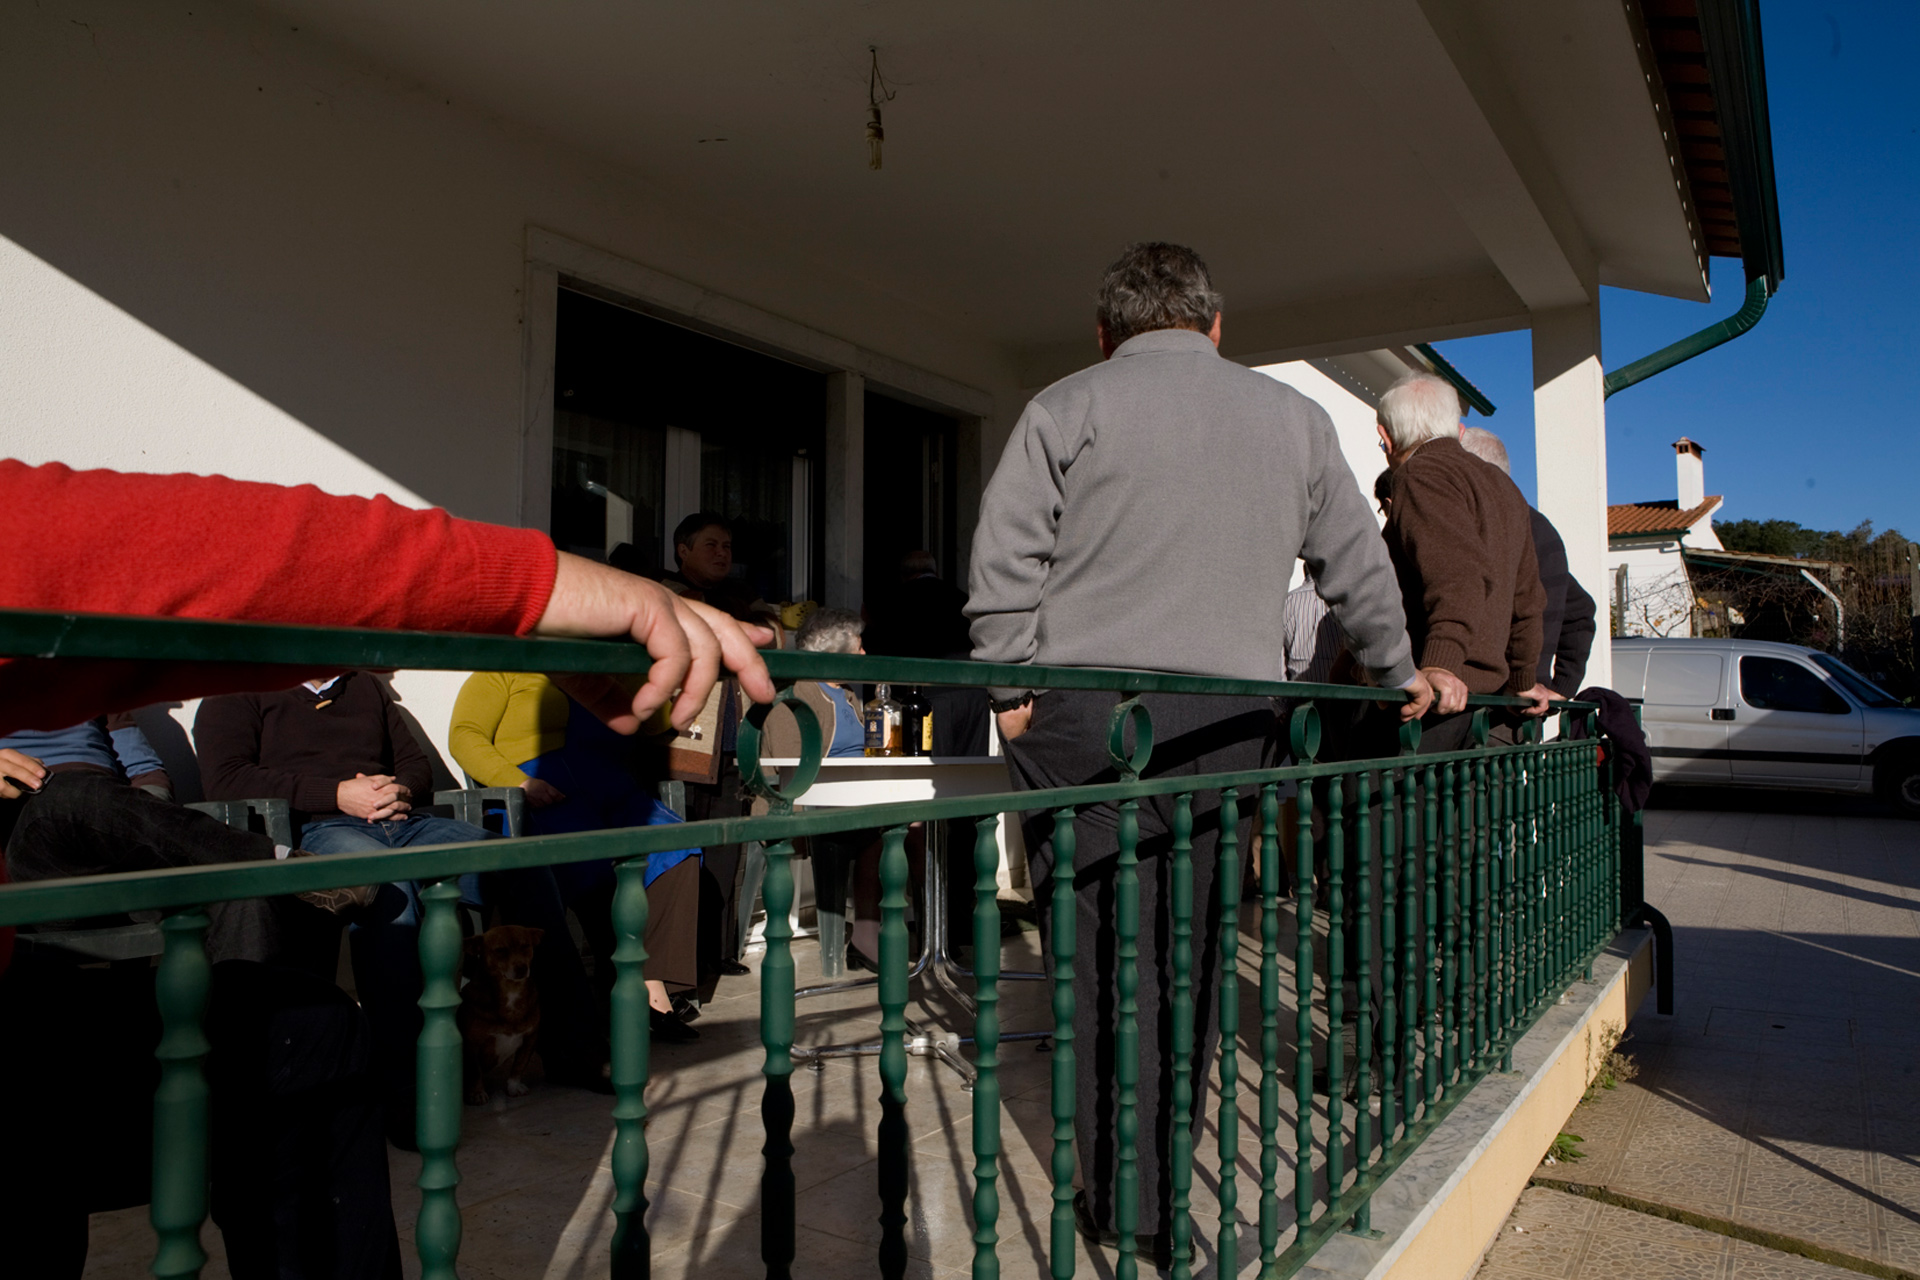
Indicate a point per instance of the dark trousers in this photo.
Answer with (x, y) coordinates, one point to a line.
(1066, 745)
(84, 823)
(299, 1167)
(722, 867)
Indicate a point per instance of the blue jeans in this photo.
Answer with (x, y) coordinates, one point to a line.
(342, 834)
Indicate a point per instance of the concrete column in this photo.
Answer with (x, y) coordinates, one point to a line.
(846, 486)
(1570, 448)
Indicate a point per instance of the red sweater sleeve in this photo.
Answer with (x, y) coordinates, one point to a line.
(189, 546)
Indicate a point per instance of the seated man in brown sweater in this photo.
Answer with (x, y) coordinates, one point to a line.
(340, 753)
(1461, 539)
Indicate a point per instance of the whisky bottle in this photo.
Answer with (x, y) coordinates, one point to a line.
(885, 724)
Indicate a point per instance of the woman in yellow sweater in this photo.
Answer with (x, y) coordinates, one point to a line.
(520, 730)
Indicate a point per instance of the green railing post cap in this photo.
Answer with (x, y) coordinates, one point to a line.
(1303, 732)
(812, 748)
(1410, 738)
(1480, 727)
(1130, 764)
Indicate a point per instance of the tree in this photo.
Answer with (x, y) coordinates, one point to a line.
(1872, 583)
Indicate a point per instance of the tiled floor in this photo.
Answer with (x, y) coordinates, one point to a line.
(536, 1183)
(1784, 1093)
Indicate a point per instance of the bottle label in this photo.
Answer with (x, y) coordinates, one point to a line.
(926, 734)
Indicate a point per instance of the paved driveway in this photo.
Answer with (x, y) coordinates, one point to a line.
(1784, 1093)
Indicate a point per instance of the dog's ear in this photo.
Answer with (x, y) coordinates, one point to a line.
(534, 936)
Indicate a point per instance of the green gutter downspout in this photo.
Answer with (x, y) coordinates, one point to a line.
(1692, 345)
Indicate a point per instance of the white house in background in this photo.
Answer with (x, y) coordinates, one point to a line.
(1652, 591)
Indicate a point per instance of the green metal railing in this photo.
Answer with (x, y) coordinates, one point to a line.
(1440, 904)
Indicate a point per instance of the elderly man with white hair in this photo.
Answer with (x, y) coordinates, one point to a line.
(1571, 618)
(1461, 540)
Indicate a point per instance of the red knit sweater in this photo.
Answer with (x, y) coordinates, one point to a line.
(185, 546)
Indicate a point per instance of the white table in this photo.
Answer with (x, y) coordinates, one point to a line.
(845, 782)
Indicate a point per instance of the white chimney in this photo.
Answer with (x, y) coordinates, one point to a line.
(1691, 471)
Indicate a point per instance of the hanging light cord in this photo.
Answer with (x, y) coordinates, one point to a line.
(878, 91)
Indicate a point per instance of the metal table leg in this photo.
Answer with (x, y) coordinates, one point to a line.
(935, 959)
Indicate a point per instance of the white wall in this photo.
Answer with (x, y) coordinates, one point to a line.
(1353, 420)
(1659, 592)
(225, 246)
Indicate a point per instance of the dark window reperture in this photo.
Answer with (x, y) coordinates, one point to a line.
(626, 387)
(1776, 684)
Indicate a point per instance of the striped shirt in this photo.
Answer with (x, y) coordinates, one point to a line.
(1310, 636)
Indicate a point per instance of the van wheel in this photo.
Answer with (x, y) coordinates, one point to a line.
(1898, 782)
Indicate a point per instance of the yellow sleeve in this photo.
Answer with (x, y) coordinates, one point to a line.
(477, 713)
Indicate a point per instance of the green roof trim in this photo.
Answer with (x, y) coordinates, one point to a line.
(1468, 392)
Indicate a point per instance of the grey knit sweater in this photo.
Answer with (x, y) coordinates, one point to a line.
(1147, 513)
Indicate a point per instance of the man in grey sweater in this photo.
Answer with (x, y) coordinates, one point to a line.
(1146, 514)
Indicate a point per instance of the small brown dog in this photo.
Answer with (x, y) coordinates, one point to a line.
(500, 1010)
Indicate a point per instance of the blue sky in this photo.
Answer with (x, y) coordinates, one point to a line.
(1810, 416)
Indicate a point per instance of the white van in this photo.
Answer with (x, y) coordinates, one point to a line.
(1751, 713)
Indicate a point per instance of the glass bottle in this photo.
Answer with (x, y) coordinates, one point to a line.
(885, 724)
(919, 722)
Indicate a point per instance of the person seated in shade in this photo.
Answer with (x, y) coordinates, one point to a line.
(94, 798)
(838, 710)
(340, 753)
(521, 730)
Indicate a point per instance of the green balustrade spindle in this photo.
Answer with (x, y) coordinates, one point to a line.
(776, 1034)
(1450, 993)
(1390, 1060)
(986, 1041)
(1065, 1094)
(179, 1203)
(1303, 859)
(1227, 1247)
(1126, 1039)
(1181, 874)
(1430, 942)
(892, 1165)
(439, 1066)
(1336, 993)
(1412, 1026)
(632, 1045)
(1363, 914)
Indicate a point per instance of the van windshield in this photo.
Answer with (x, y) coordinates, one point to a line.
(1863, 690)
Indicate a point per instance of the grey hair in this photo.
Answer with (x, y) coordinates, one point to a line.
(830, 631)
(1418, 408)
(1155, 285)
(1486, 446)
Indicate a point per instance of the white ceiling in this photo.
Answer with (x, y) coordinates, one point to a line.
(1395, 172)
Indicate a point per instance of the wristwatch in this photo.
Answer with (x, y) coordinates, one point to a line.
(1014, 703)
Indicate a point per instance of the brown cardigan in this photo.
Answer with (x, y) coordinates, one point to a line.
(1461, 539)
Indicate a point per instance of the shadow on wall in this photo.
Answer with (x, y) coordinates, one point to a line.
(347, 260)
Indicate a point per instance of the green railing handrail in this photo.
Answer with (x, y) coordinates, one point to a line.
(40, 901)
(38, 634)
(1499, 869)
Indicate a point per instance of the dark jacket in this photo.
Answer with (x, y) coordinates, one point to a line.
(1567, 626)
(1461, 540)
(920, 618)
(299, 745)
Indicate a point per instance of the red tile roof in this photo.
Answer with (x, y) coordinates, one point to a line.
(1640, 519)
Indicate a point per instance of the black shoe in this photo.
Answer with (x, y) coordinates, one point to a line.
(685, 1010)
(859, 961)
(1154, 1249)
(669, 1029)
(731, 969)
